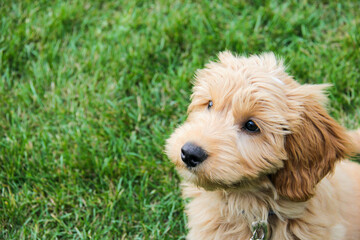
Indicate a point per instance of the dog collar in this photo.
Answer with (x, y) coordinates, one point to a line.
(271, 213)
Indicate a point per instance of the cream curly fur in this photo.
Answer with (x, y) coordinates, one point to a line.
(291, 166)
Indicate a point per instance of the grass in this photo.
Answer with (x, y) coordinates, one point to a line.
(90, 90)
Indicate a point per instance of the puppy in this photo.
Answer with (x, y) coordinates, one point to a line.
(261, 158)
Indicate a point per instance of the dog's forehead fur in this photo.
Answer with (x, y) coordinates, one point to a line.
(254, 87)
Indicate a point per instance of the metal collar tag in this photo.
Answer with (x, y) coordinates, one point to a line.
(259, 230)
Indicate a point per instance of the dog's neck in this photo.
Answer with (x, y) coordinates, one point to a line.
(239, 208)
(259, 204)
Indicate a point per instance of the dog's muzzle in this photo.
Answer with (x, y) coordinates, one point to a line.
(192, 155)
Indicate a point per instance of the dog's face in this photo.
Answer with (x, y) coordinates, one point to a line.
(249, 123)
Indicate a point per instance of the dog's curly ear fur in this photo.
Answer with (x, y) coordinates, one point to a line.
(314, 145)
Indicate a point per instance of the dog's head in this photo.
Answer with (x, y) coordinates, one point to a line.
(250, 122)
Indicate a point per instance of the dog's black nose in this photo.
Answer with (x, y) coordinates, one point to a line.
(192, 155)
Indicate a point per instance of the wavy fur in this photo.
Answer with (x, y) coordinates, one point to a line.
(294, 166)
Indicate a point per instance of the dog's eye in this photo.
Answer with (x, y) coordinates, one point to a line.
(210, 104)
(251, 126)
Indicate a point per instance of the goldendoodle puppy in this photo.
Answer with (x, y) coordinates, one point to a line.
(255, 154)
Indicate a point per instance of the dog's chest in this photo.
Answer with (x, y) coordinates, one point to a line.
(213, 215)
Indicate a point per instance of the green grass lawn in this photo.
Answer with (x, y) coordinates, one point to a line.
(90, 90)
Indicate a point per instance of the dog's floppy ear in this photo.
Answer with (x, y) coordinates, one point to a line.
(313, 147)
